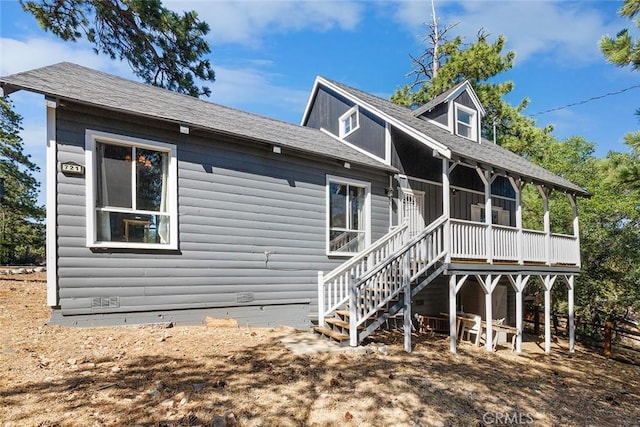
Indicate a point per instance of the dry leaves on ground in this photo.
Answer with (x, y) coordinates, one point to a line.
(199, 375)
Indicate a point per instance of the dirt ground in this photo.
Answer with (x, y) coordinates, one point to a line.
(199, 375)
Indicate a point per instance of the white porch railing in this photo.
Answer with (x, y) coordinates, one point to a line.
(564, 249)
(469, 241)
(369, 293)
(333, 287)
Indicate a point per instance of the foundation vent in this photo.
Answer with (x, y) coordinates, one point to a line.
(105, 302)
(244, 297)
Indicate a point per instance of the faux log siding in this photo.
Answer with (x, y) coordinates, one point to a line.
(235, 201)
(326, 112)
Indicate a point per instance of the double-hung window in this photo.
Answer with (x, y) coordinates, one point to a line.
(349, 122)
(465, 122)
(131, 192)
(348, 215)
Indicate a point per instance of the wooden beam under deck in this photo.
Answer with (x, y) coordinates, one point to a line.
(457, 266)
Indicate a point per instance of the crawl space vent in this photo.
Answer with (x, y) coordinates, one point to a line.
(105, 302)
(244, 297)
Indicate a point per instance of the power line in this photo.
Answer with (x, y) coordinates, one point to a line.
(584, 101)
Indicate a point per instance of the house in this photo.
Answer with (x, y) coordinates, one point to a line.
(163, 207)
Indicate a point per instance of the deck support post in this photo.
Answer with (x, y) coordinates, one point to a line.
(488, 313)
(548, 283)
(571, 325)
(519, 313)
(406, 279)
(453, 324)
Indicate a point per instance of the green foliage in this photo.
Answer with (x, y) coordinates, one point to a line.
(20, 214)
(479, 63)
(609, 225)
(623, 50)
(164, 48)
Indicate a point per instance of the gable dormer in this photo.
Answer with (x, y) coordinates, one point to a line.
(458, 110)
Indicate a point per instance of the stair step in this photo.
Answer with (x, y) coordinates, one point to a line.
(335, 335)
(337, 322)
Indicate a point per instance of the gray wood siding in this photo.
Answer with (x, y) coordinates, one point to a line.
(236, 201)
(440, 114)
(413, 158)
(465, 99)
(326, 111)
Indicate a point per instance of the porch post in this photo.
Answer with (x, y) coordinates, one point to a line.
(446, 209)
(488, 313)
(517, 188)
(544, 192)
(485, 176)
(547, 314)
(576, 227)
(453, 325)
(572, 325)
(519, 313)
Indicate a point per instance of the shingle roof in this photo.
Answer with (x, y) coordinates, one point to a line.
(487, 153)
(437, 100)
(87, 86)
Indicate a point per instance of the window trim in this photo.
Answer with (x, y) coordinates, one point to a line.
(91, 138)
(473, 125)
(502, 214)
(343, 119)
(367, 212)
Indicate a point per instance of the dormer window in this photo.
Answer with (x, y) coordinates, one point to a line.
(465, 122)
(349, 122)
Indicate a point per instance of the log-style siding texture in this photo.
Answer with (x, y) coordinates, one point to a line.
(252, 227)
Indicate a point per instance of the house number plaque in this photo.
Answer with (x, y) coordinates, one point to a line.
(71, 168)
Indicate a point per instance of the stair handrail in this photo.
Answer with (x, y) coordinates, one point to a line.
(354, 268)
(342, 268)
(398, 257)
(405, 248)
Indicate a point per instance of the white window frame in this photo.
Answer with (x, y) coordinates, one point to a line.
(91, 138)
(347, 118)
(473, 125)
(503, 215)
(367, 211)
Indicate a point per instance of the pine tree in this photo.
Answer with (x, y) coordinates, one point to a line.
(164, 48)
(20, 230)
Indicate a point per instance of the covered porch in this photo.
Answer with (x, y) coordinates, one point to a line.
(489, 249)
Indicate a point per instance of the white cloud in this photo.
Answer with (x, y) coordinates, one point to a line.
(247, 22)
(565, 32)
(253, 88)
(35, 52)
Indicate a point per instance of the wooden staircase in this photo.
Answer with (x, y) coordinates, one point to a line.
(360, 296)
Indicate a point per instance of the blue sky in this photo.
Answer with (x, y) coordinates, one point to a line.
(266, 55)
